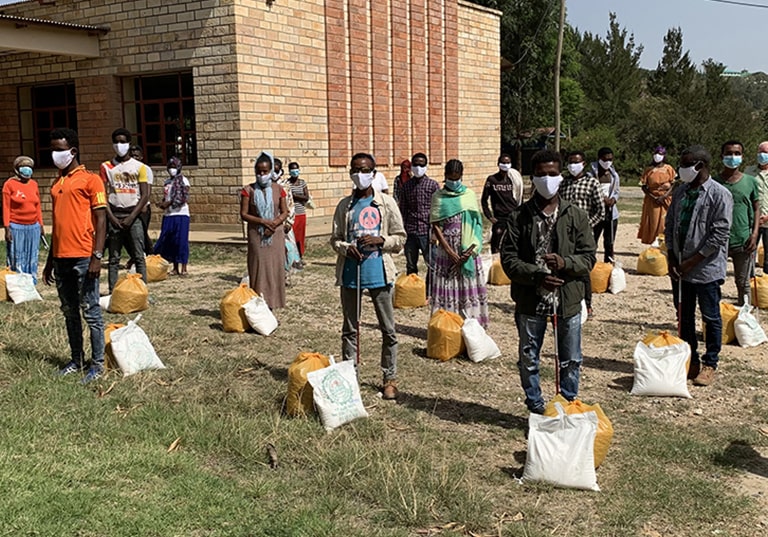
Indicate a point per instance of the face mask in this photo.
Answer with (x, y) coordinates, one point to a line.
(762, 159)
(605, 164)
(657, 158)
(505, 167)
(62, 159)
(732, 161)
(688, 174)
(294, 173)
(547, 186)
(25, 172)
(121, 149)
(264, 180)
(173, 171)
(419, 171)
(362, 181)
(453, 186)
(576, 168)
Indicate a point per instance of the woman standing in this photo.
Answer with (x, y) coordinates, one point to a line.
(457, 281)
(402, 178)
(300, 194)
(263, 206)
(22, 218)
(656, 182)
(173, 243)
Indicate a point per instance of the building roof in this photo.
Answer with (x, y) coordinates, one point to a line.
(26, 21)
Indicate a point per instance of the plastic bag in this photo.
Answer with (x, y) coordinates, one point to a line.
(259, 316)
(651, 261)
(728, 313)
(157, 268)
(3, 288)
(759, 290)
(444, 340)
(410, 291)
(748, 331)
(661, 371)
(662, 339)
(600, 276)
(299, 400)
(561, 450)
(760, 256)
(130, 295)
(480, 346)
(133, 350)
(618, 279)
(584, 312)
(232, 315)
(604, 433)
(109, 356)
(21, 288)
(337, 394)
(104, 302)
(496, 274)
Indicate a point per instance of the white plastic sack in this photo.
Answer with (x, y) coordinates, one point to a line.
(259, 316)
(561, 450)
(486, 260)
(132, 349)
(661, 371)
(618, 279)
(480, 346)
(337, 394)
(245, 279)
(584, 312)
(749, 333)
(105, 301)
(21, 288)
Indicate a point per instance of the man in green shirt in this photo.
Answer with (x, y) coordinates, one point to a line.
(760, 172)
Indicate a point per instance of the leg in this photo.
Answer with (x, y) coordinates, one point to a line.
(569, 347)
(385, 313)
(497, 231)
(709, 295)
(609, 238)
(145, 217)
(89, 303)
(742, 271)
(428, 254)
(115, 243)
(68, 287)
(411, 252)
(688, 318)
(349, 326)
(135, 244)
(531, 331)
(764, 240)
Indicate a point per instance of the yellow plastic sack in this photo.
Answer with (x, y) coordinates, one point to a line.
(653, 262)
(662, 244)
(299, 399)
(662, 339)
(109, 358)
(760, 256)
(600, 277)
(604, 427)
(759, 290)
(157, 268)
(129, 295)
(231, 308)
(444, 339)
(729, 313)
(3, 289)
(496, 274)
(410, 291)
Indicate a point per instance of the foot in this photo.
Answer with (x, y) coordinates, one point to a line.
(174, 273)
(72, 367)
(183, 274)
(693, 370)
(94, 373)
(390, 390)
(705, 377)
(590, 314)
(537, 410)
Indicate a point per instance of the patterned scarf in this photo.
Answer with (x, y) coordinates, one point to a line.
(447, 203)
(179, 193)
(262, 198)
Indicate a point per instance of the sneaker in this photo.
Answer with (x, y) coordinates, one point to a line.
(693, 370)
(390, 390)
(538, 410)
(705, 377)
(94, 373)
(71, 367)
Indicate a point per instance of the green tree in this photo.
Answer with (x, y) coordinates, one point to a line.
(675, 75)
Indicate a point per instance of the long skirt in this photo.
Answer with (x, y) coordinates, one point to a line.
(266, 266)
(300, 231)
(24, 248)
(173, 243)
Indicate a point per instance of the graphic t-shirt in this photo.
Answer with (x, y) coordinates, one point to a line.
(122, 182)
(364, 218)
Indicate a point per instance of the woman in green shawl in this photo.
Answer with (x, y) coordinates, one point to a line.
(457, 282)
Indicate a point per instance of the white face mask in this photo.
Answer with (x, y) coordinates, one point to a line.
(505, 166)
(548, 185)
(688, 174)
(264, 180)
(605, 164)
(575, 168)
(62, 159)
(419, 171)
(173, 171)
(362, 181)
(121, 149)
(657, 158)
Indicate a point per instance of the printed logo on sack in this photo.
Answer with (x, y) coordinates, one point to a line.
(336, 388)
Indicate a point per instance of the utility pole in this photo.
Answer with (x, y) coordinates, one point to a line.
(558, 58)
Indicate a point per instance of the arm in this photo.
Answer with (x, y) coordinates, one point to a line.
(394, 234)
(100, 225)
(245, 214)
(338, 238)
(518, 270)
(303, 197)
(484, 199)
(719, 226)
(752, 242)
(615, 187)
(39, 210)
(583, 258)
(596, 205)
(7, 212)
(143, 199)
(437, 231)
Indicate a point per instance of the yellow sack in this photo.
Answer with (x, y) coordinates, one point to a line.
(600, 276)
(231, 308)
(653, 262)
(604, 427)
(496, 274)
(299, 399)
(157, 268)
(444, 339)
(410, 291)
(760, 256)
(662, 244)
(129, 295)
(759, 291)
(729, 313)
(662, 339)
(109, 358)
(3, 289)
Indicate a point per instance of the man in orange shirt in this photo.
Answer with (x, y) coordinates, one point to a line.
(79, 229)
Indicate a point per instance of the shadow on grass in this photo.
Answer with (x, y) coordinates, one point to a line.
(205, 313)
(461, 412)
(622, 383)
(322, 263)
(230, 278)
(413, 331)
(739, 454)
(608, 364)
(669, 326)
(504, 307)
(26, 354)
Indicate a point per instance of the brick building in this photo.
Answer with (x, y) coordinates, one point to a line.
(216, 81)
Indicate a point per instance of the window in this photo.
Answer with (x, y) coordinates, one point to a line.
(160, 112)
(42, 109)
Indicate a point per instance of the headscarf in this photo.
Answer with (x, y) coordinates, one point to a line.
(660, 149)
(22, 161)
(447, 203)
(179, 192)
(262, 197)
(405, 171)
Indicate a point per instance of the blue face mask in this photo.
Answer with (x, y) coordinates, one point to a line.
(452, 185)
(294, 173)
(732, 161)
(762, 159)
(25, 172)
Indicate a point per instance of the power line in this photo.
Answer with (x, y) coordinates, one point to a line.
(735, 3)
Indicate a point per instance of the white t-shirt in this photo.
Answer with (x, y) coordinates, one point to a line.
(170, 211)
(380, 182)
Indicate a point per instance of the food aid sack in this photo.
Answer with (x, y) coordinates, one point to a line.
(653, 262)
(661, 371)
(496, 274)
(130, 295)
(480, 346)
(157, 268)
(337, 394)
(109, 356)
(618, 281)
(661, 339)
(486, 260)
(759, 290)
(259, 316)
(604, 433)
(444, 340)
(300, 399)
(561, 450)
(584, 311)
(748, 331)
(21, 288)
(3, 288)
(728, 314)
(599, 276)
(410, 291)
(760, 256)
(231, 308)
(132, 349)
(104, 302)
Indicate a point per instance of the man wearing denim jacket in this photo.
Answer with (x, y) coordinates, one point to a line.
(696, 232)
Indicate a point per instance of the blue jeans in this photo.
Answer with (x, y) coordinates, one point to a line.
(531, 330)
(709, 296)
(133, 241)
(77, 291)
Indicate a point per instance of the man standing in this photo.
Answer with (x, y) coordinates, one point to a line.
(415, 201)
(145, 216)
(77, 242)
(760, 173)
(367, 229)
(125, 179)
(547, 251)
(745, 220)
(608, 178)
(696, 233)
(504, 189)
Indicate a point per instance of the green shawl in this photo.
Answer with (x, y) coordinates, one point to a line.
(445, 204)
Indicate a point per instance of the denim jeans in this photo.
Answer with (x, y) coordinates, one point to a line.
(708, 295)
(531, 330)
(743, 269)
(385, 313)
(133, 241)
(77, 291)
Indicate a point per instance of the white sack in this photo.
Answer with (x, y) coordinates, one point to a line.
(618, 279)
(480, 346)
(337, 394)
(584, 312)
(486, 260)
(661, 371)
(259, 316)
(21, 288)
(105, 301)
(133, 350)
(749, 333)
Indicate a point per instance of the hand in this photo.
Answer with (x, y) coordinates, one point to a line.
(674, 273)
(8, 237)
(287, 227)
(48, 273)
(493, 220)
(751, 243)
(610, 202)
(269, 225)
(688, 265)
(550, 283)
(94, 268)
(370, 241)
(763, 218)
(554, 262)
(454, 257)
(660, 200)
(126, 222)
(115, 222)
(354, 253)
(268, 231)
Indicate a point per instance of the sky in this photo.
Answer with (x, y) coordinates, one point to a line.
(704, 24)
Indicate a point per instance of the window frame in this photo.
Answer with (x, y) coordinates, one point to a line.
(42, 154)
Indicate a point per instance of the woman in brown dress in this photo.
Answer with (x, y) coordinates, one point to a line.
(263, 207)
(656, 182)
